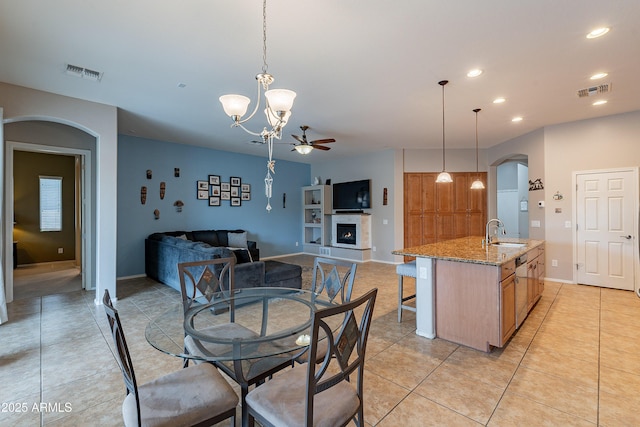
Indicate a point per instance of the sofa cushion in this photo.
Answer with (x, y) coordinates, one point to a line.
(207, 236)
(237, 240)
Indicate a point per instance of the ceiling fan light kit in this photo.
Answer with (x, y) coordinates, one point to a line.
(278, 104)
(305, 146)
(444, 176)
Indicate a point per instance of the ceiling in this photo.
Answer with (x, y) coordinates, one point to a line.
(366, 73)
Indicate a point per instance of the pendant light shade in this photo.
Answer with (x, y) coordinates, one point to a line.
(443, 176)
(477, 184)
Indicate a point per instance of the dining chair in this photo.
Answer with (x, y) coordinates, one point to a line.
(194, 396)
(212, 281)
(333, 278)
(321, 394)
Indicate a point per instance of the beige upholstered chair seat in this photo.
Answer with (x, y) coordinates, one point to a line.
(332, 407)
(182, 398)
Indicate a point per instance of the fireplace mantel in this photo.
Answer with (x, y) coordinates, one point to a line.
(361, 224)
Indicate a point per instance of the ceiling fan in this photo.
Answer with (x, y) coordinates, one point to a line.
(305, 147)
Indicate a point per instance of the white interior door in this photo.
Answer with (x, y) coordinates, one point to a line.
(606, 232)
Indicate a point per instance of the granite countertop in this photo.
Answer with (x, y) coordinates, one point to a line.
(470, 249)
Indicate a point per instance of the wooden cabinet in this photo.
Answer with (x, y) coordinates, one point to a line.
(507, 301)
(316, 228)
(442, 211)
(535, 276)
(508, 308)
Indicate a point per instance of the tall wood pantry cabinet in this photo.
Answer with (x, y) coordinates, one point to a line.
(441, 211)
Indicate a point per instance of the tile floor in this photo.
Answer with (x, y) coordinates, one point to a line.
(575, 361)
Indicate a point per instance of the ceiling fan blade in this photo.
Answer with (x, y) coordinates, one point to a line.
(323, 141)
(299, 139)
(321, 147)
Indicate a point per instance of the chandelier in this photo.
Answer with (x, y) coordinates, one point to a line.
(278, 103)
(444, 175)
(477, 184)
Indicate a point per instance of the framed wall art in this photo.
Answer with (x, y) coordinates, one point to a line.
(225, 186)
(235, 191)
(214, 179)
(235, 181)
(235, 201)
(245, 196)
(203, 190)
(245, 188)
(215, 190)
(214, 201)
(225, 195)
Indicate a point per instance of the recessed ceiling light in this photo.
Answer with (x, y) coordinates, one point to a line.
(517, 119)
(598, 76)
(499, 100)
(601, 102)
(598, 32)
(474, 73)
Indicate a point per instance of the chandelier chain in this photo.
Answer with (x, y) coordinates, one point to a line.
(264, 37)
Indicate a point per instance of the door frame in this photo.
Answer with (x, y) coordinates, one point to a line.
(85, 207)
(636, 218)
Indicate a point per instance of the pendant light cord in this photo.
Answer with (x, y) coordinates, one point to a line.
(442, 83)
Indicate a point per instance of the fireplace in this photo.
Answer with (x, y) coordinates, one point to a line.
(346, 234)
(351, 231)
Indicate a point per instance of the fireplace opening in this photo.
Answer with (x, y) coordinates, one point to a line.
(346, 233)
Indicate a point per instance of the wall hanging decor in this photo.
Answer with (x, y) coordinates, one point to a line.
(156, 214)
(384, 196)
(214, 201)
(536, 185)
(149, 174)
(235, 201)
(214, 179)
(143, 195)
(176, 172)
(163, 189)
(178, 204)
(202, 190)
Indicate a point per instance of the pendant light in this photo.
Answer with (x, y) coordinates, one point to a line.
(443, 176)
(477, 184)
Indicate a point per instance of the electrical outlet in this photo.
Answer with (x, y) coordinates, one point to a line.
(374, 249)
(60, 250)
(554, 263)
(297, 243)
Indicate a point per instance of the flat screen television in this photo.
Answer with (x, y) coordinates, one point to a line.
(352, 196)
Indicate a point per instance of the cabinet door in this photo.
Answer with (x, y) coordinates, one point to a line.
(532, 283)
(507, 308)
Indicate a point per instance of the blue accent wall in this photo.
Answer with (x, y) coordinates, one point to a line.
(276, 232)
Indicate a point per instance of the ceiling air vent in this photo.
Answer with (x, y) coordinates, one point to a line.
(595, 90)
(84, 73)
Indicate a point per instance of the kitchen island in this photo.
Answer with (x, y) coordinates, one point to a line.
(466, 292)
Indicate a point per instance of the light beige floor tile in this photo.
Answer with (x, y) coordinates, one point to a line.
(104, 414)
(557, 392)
(392, 363)
(482, 367)
(514, 410)
(460, 393)
(619, 410)
(22, 411)
(19, 375)
(619, 382)
(620, 352)
(578, 349)
(417, 411)
(380, 396)
(556, 364)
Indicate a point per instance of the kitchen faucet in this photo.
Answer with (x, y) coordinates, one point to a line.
(487, 237)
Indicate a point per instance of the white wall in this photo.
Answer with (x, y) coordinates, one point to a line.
(601, 143)
(100, 120)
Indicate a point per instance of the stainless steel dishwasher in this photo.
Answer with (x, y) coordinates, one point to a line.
(521, 289)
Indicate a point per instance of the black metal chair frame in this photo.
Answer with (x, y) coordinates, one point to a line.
(352, 336)
(126, 366)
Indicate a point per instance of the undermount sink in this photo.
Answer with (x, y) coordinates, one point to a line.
(509, 244)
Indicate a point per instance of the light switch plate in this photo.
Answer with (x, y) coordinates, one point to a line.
(535, 224)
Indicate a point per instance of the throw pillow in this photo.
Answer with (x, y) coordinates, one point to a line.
(182, 236)
(238, 240)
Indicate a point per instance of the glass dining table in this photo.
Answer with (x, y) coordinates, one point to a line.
(279, 320)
